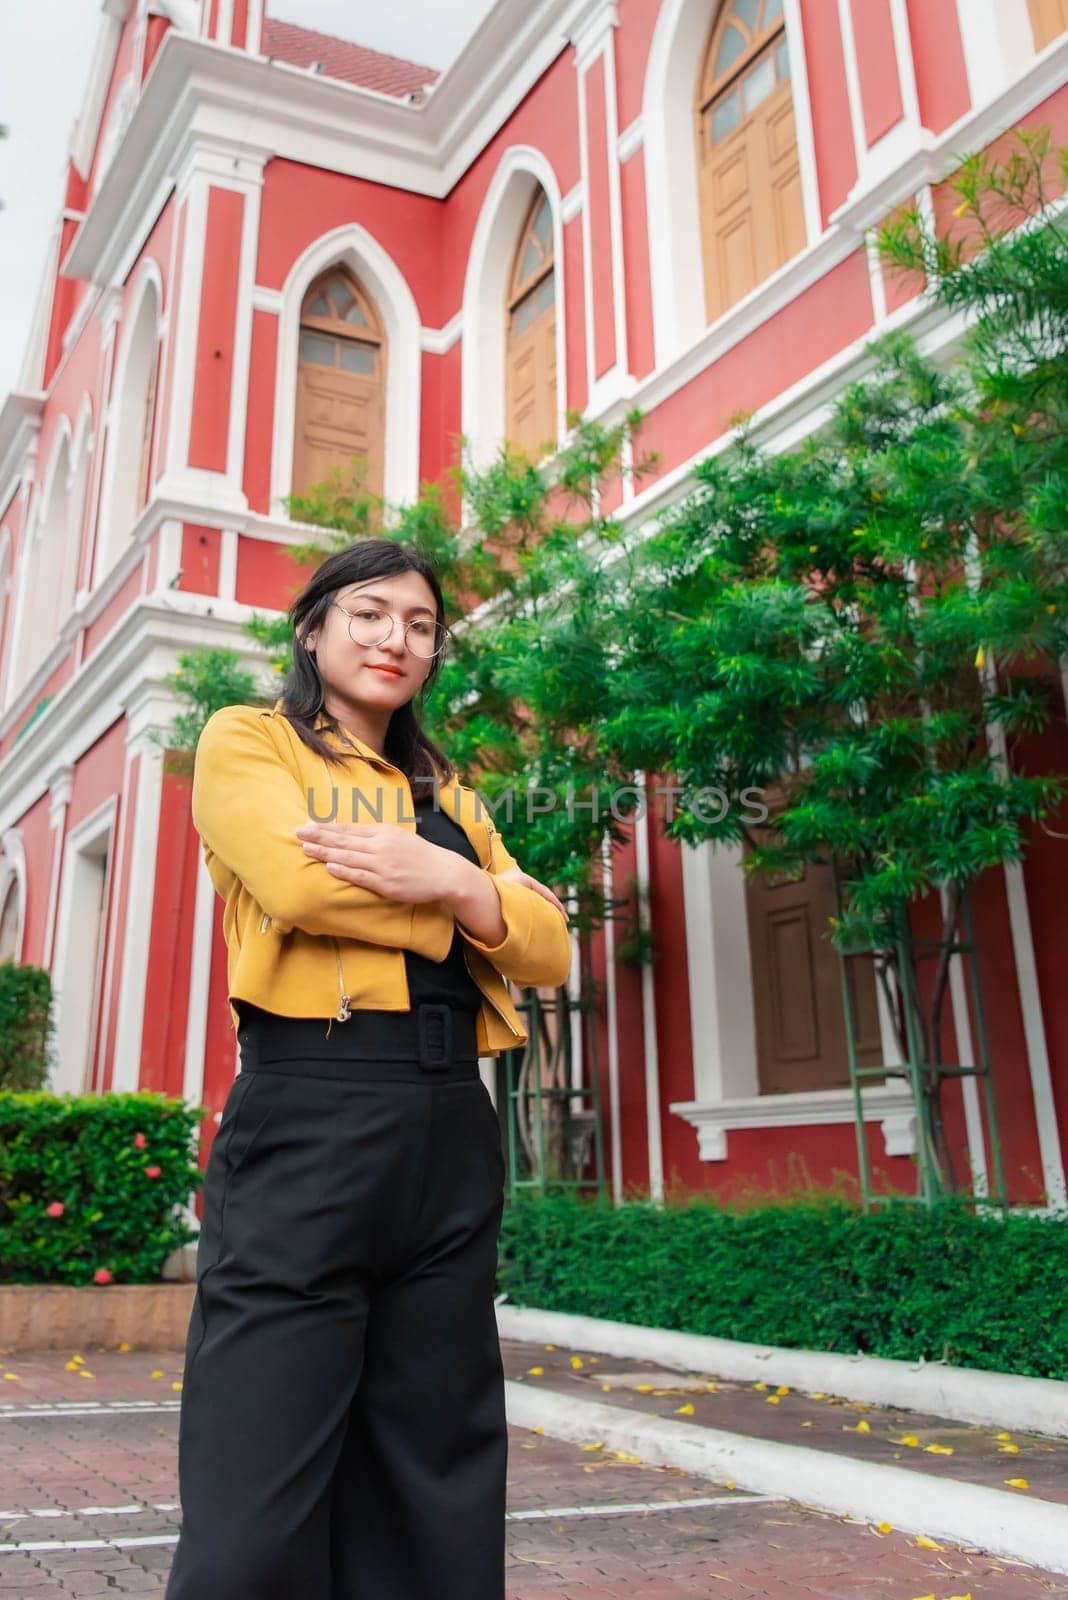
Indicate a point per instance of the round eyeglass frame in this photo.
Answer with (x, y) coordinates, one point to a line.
(445, 634)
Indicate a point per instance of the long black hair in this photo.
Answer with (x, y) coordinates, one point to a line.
(407, 746)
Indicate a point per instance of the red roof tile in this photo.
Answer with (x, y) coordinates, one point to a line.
(338, 58)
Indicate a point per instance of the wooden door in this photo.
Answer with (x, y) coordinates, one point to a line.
(341, 391)
(530, 363)
(1049, 19)
(797, 997)
(752, 215)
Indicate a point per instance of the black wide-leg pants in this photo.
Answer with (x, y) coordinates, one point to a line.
(342, 1430)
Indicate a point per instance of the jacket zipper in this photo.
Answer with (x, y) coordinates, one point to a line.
(486, 997)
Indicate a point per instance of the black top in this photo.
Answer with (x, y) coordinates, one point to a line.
(445, 982)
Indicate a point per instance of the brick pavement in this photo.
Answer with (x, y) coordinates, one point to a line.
(857, 1429)
(582, 1526)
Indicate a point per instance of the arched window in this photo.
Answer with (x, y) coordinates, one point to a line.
(341, 383)
(530, 357)
(1049, 19)
(752, 216)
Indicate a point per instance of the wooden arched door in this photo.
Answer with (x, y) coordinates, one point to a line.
(341, 383)
(752, 216)
(530, 385)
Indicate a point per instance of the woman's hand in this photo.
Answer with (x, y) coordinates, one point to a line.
(517, 875)
(384, 857)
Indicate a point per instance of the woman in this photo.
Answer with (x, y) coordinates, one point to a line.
(342, 1432)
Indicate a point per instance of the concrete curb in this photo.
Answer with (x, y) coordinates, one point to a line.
(962, 1513)
(997, 1399)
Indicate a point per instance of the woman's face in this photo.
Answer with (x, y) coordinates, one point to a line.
(354, 674)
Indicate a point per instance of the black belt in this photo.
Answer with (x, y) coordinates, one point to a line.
(431, 1036)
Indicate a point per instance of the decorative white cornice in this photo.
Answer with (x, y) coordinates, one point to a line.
(891, 1104)
(591, 29)
(20, 422)
(199, 88)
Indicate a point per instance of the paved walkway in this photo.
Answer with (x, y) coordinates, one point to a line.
(88, 1505)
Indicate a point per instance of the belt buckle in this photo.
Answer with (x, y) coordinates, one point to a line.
(435, 1035)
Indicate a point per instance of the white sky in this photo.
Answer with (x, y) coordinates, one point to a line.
(45, 49)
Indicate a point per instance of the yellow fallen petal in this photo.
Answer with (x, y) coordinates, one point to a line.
(643, 1388)
(730, 1486)
(711, 1386)
(72, 1366)
(815, 1395)
(909, 1439)
(535, 1372)
(577, 1362)
(550, 1347)
(938, 1449)
(156, 1374)
(863, 1427)
(1008, 1449)
(123, 1348)
(925, 1543)
(607, 1387)
(772, 1400)
(1004, 1435)
(83, 1372)
(598, 1446)
(884, 1527)
(684, 1411)
(760, 1386)
(967, 1596)
(783, 1389)
(80, 1360)
(177, 1385)
(980, 657)
(958, 211)
(537, 1430)
(806, 1424)
(12, 1377)
(1017, 1483)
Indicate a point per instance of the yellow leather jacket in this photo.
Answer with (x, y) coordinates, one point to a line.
(304, 943)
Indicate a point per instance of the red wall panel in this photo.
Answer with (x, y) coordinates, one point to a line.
(832, 132)
(877, 67)
(209, 430)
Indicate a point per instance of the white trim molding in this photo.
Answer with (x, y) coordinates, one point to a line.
(891, 1106)
(353, 246)
(489, 262)
(13, 870)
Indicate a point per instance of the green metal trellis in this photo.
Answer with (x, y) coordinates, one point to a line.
(914, 1068)
(552, 1125)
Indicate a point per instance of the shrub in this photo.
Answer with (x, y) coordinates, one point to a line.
(944, 1284)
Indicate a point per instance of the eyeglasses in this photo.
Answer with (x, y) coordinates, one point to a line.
(423, 636)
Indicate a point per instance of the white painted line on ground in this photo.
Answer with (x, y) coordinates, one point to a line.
(994, 1520)
(640, 1507)
(963, 1394)
(28, 1513)
(94, 1408)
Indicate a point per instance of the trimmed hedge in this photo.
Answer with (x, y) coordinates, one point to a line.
(25, 1025)
(902, 1281)
(116, 1169)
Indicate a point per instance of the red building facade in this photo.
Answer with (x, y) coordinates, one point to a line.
(601, 204)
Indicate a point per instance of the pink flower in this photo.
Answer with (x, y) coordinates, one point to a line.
(55, 1209)
(103, 1275)
(140, 1141)
(153, 1172)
